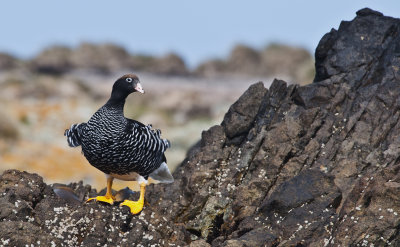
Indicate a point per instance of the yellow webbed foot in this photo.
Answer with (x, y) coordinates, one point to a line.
(135, 206)
(107, 199)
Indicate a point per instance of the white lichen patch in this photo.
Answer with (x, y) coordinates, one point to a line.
(147, 236)
(67, 228)
(4, 241)
(262, 173)
(29, 218)
(231, 187)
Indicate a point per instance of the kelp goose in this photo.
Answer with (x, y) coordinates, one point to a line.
(122, 148)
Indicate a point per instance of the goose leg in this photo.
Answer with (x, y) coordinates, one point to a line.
(136, 206)
(108, 197)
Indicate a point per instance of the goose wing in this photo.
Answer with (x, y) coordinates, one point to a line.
(146, 138)
(74, 134)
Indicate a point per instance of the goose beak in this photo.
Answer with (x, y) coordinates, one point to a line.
(139, 88)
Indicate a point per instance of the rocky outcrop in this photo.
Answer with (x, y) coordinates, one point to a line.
(315, 165)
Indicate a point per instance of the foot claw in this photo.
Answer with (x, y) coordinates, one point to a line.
(135, 206)
(107, 199)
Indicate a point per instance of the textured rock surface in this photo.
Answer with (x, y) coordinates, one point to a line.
(302, 166)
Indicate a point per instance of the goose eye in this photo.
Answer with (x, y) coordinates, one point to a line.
(129, 79)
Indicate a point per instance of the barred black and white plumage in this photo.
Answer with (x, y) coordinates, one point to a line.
(116, 145)
(74, 134)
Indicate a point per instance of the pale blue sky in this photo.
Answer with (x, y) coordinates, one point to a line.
(195, 30)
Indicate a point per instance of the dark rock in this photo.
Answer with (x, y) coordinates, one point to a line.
(369, 43)
(23, 233)
(255, 237)
(32, 214)
(305, 188)
(67, 194)
(289, 166)
(368, 11)
(20, 192)
(242, 113)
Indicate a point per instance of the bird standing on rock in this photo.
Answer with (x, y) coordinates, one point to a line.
(122, 148)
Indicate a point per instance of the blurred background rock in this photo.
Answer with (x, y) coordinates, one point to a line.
(275, 60)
